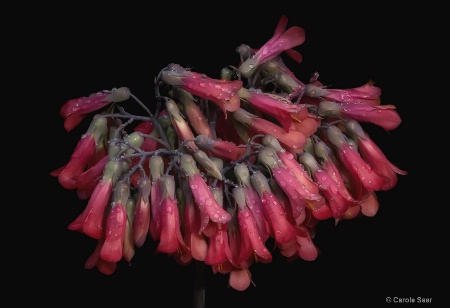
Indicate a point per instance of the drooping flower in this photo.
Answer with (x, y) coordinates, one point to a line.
(295, 191)
(171, 237)
(90, 221)
(94, 260)
(353, 161)
(202, 194)
(82, 155)
(193, 112)
(248, 226)
(182, 128)
(273, 105)
(252, 200)
(141, 221)
(339, 203)
(128, 249)
(384, 116)
(282, 40)
(116, 221)
(284, 232)
(223, 149)
(75, 110)
(365, 94)
(219, 91)
(292, 140)
(371, 153)
(156, 195)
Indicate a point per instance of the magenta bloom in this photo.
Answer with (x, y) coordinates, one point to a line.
(141, 221)
(202, 194)
(221, 92)
(90, 221)
(88, 180)
(384, 116)
(273, 105)
(282, 40)
(292, 140)
(226, 150)
(366, 94)
(75, 110)
(156, 196)
(248, 226)
(94, 260)
(351, 159)
(284, 232)
(371, 153)
(171, 237)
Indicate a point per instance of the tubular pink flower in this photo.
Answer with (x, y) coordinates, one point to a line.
(354, 163)
(128, 249)
(226, 150)
(171, 237)
(94, 259)
(371, 153)
(192, 237)
(281, 41)
(156, 195)
(384, 116)
(283, 231)
(90, 221)
(112, 249)
(365, 94)
(295, 191)
(194, 114)
(182, 128)
(75, 110)
(221, 92)
(248, 226)
(141, 221)
(338, 203)
(273, 105)
(202, 194)
(88, 180)
(307, 250)
(252, 200)
(292, 140)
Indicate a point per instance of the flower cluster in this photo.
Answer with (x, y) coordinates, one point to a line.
(226, 169)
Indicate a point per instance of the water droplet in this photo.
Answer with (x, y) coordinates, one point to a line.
(202, 84)
(193, 186)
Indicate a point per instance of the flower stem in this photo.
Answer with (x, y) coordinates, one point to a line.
(199, 285)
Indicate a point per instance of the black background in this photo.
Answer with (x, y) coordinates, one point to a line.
(83, 49)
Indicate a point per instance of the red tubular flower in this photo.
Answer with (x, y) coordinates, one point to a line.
(221, 92)
(75, 110)
(141, 221)
(216, 254)
(284, 232)
(193, 238)
(338, 202)
(157, 171)
(252, 200)
(193, 112)
(366, 94)
(351, 159)
(94, 259)
(248, 226)
(281, 41)
(273, 105)
(371, 153)
(384, 116)
(318, 207)
(88, 180)
(307, 250)
(82, 155)
(182, 128)
(294, 190)
(202, 194)
(223, 149)
(90, 221)
(171, 238)
(292, 140)
(112, 249)
(128, 249)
